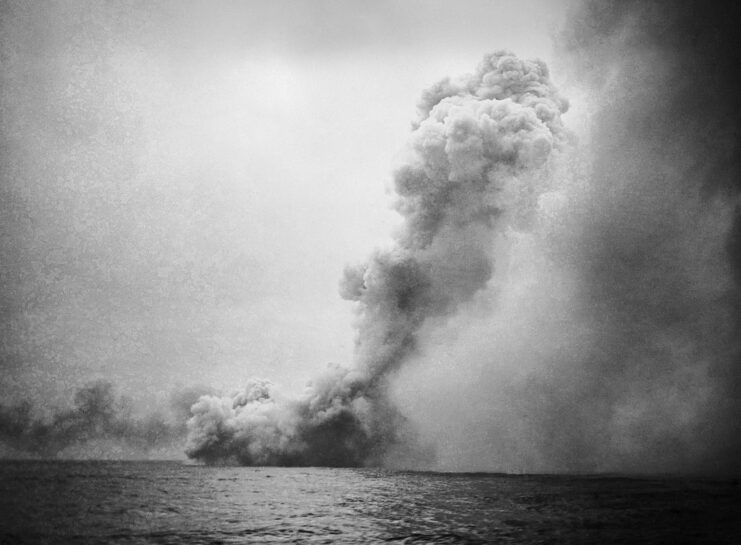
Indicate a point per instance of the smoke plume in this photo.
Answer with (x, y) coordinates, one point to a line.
(100, 423)
(609, 338)
(476, 164)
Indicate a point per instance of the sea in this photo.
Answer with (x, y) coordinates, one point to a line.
(175, 503)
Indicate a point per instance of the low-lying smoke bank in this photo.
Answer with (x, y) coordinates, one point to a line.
(475, 168)
(100, 424)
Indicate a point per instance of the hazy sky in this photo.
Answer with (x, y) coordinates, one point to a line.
(183, 182)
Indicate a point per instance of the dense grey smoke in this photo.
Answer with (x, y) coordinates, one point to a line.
(658, 245)
(610, 339)
(474, 169)
(99, 423)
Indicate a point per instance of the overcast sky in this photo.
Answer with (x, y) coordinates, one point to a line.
(184, 182)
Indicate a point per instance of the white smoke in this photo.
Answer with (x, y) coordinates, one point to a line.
(476, 167)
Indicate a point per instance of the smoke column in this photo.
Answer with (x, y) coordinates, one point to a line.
(608, 340)
(475, 166)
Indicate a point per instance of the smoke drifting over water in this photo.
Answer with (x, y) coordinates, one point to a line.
(475, 169)
(100, 423)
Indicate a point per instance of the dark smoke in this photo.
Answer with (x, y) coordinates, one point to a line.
(100, 423)
(475, 167)
(610, 341)
(660, 250)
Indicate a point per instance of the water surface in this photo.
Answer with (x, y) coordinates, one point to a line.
(169, 503)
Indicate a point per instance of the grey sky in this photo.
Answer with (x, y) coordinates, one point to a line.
(183, 182)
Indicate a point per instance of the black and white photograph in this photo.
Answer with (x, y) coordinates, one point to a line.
(370, 271)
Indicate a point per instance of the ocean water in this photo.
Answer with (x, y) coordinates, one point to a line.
(174, 503)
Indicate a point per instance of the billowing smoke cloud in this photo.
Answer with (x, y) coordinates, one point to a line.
(609, 340)
(474, 169)
(100, 423)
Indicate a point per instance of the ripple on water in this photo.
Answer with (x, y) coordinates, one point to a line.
(163, 503)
